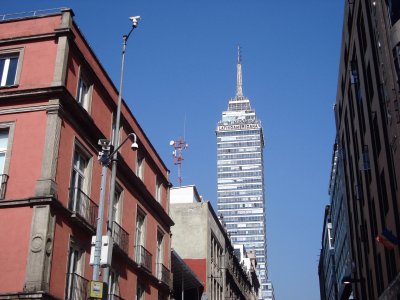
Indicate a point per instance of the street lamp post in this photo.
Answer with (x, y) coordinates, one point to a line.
(105, 159)
(125, 38)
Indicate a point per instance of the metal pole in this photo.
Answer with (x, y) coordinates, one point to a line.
(115, 156)
(97, 249)
(183, 285)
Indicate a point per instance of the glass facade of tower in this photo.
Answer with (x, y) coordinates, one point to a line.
(240, 187)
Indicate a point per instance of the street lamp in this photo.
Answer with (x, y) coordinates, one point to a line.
(105, 158)
(125, 38)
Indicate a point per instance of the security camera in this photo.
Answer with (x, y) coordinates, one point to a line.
(104, 142)
(134, 146)
(135, 20)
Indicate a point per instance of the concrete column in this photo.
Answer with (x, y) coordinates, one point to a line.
(37, 273)
(46, 184)
(60, 69)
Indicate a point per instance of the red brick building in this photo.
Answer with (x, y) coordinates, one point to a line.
(56, 102)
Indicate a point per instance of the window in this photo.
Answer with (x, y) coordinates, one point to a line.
(113, 285)
(140, 229)
(79, 202)
(76, 283)
(140, 291)
(3, 153)
(10, 67)
(6, 137)
(140, 166)
(159, 254)
(3, 149)
(158, 190)
(84, 92)
(117, 205)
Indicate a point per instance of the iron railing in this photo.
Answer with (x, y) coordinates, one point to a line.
(114, 297)
(3, 185)
(143, 257)
(163, 274)
(76, 287)
(120, 237)
(82, 205)
(34, 13)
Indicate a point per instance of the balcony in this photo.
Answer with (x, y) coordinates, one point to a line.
(143, 257)
(76, 287)
(120, 237)
(3, 185)
(163, 274)
(81, 205)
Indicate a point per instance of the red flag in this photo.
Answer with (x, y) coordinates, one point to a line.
(386, 243)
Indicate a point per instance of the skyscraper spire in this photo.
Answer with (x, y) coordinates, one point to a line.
(239, 90)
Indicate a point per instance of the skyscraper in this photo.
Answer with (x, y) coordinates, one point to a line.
(240, 171)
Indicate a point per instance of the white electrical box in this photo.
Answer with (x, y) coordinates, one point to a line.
(106, 251)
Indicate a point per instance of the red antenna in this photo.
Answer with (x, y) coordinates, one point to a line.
(179, 146)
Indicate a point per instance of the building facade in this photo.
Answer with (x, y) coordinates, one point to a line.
(240, 172)
(335, 262)
(57, 101)
(367, 120)
(203, 243)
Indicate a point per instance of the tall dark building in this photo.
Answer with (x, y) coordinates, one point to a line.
(368, 119)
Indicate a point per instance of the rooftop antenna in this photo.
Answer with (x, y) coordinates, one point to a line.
(179, 145)
(239, 84)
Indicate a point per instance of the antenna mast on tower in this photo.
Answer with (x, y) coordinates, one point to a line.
(179, 146)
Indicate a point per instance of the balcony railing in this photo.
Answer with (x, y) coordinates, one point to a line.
(163, 274)
(143, 257)
(76, 287)
(82, 205)
(3, 185)
(34, 13)
(114, 297)
(120, 237)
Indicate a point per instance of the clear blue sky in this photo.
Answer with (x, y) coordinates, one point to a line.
(180, 62)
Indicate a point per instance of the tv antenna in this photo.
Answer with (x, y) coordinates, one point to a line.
(179, 145)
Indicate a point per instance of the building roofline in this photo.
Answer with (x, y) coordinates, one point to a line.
(35, 14)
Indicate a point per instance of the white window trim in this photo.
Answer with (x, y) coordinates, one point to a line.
(11, 128)
(11, 51)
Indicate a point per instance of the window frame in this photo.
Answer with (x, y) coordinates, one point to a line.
(87, 101)
(140, 164)
(10, 126)
(140, 290)
(117, 212)
(79, 148)
(11, 52)
(160, 247)
(113, 283)
(142, 241)
(75, 246)
(158, 192)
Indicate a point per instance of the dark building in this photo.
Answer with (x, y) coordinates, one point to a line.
(335, 262)
(368, 118)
